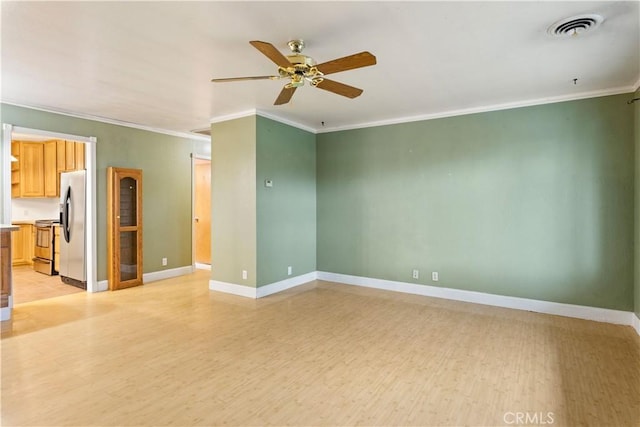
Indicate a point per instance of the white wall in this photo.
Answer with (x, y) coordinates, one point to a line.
(32, 209)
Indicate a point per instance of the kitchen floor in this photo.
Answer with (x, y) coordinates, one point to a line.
(29, 285)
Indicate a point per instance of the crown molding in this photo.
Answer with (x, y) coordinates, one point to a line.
(233, 116)
(440, 115)
(286, 121)
(187, 135)
(261, 113)
(392, 121)
(484, 109)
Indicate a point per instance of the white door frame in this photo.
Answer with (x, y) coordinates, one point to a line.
(193, 210)
(91, 252)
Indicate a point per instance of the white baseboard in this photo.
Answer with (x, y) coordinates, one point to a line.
(232, 288)
(167, 274)
(262, 291)
(103, 285)
(635, 322)
(201, 266)
(285, 284)
(560, 309)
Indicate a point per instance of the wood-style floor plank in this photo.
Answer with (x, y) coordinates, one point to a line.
(175, 353)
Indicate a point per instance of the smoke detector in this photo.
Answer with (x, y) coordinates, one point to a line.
(575, 25)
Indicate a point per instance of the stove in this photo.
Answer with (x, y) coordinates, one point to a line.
(46, 222)
(44, 261)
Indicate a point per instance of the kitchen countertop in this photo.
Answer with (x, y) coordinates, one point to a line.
(30, 222)
(7, 227)
(23, 221)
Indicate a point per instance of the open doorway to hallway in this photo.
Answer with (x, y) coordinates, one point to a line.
(202, 212)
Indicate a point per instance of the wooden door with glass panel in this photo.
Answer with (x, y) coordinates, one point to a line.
(124, 227)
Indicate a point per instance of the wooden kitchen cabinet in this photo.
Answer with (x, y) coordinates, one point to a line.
(5, 266)
(15, 170)
(79, 151)
(22, 245)
(70, 158)
(31, 167)
(37, 171)
(61, 155)
(50, 170)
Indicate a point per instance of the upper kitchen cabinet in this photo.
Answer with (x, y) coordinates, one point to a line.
(28, 181)
(70, 156)
(15, 170)
(51, 187)
(37, 171)
(79, 149)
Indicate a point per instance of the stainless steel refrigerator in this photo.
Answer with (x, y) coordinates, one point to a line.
(72, 220)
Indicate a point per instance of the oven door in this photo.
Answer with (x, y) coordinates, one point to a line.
(44, 243)
(43, 266)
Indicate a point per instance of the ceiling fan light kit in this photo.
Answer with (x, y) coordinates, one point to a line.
(299, 68)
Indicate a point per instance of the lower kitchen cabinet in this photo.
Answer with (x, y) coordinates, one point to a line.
(22, 245)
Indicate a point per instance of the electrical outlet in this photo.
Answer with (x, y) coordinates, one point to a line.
(164, 262)
(434, 276)
(289, 270)
(244, 274)
(416, 274)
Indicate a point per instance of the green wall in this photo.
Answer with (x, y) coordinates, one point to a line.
(535, 202)
(233, 201)
(166, 164)
(532, 202)
(254, 228)
(636, 110)
(286, 212)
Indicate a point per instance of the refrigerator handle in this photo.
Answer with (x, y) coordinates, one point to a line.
(65, 215)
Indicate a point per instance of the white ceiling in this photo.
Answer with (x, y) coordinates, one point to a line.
(150, 63)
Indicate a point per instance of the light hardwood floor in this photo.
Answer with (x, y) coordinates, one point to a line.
(175, 353)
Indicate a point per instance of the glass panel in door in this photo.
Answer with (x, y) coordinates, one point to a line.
(128, 255)
(128, 192)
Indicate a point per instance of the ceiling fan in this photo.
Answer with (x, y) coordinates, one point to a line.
(299, 68)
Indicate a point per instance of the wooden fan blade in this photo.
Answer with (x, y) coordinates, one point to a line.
(237, 79)
(285, 95)
(271, 52)
(339, 88)
(358, 60)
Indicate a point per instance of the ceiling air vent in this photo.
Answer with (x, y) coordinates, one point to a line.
(575, 25)
(205, 131)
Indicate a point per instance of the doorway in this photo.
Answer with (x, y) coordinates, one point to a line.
(202, 212)
(49, 207)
